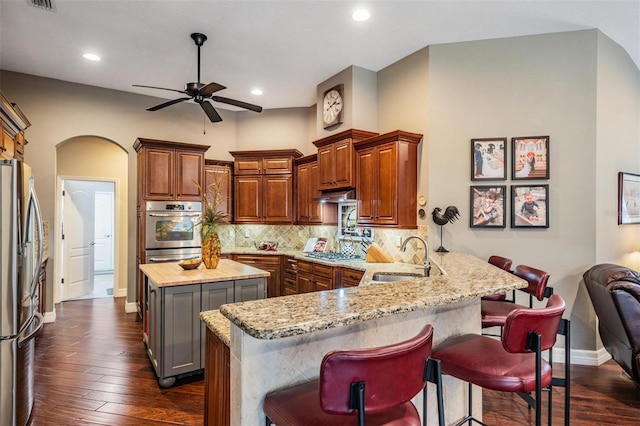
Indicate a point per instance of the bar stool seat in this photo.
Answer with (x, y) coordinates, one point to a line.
(304, 398)
(503, 263)
(491, 367)
(371, 386)
(495, 312)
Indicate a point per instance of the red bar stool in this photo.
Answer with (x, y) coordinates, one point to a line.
(494, 312)
(375, 385)
(514, 363)
(504, 264)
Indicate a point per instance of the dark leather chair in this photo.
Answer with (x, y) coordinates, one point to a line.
(373, 385)
(615, 293)
(504, 264)
(514, 363)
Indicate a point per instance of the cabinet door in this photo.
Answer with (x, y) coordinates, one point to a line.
(182, 328)
(350, 278)
(250, 289)
(248, 166)
(190, 174)
(366, 186)
(387, 180)
(315, 207)
(343, 164)
(221, 177)
(159, 174)
(305, 282)
(248, 199)
(303, 178)
(214, 295)
(278, 199)
(217, 382)
(278, 166)
(327, 167)
(153, 323)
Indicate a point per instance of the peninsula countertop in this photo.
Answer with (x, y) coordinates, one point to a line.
(462, 277)
(171, 274)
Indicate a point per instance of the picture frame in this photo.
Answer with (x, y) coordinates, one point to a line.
(628, 198)
(530, 157)
(487, 206)
(489, 159)
(530, 206)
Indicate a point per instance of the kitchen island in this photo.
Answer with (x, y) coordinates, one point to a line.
(173, 300)
(280, 341)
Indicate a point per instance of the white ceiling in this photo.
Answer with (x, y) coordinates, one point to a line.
(284, 47)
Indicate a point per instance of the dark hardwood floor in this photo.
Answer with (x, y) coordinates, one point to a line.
(92, 369)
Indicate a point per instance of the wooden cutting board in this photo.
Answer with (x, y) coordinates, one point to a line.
(375, 254)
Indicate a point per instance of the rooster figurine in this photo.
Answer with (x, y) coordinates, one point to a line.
(451, 214)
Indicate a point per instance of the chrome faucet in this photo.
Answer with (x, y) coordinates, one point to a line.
(427, 264)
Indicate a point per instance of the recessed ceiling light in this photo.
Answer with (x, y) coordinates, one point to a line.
(256, 92)
(361, 15)
(91, 56)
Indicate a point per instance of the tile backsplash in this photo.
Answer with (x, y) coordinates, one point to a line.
(294, 237)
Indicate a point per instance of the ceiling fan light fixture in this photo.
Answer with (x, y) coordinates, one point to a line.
(361, 15)
(91, 57)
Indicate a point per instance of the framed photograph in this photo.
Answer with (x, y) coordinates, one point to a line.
(488, 206)
(489, 159)
(530, 157)
(628, 198)
(530, 206)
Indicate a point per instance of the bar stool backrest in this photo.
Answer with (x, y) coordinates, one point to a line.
(536, 278)
(544, 321)
(500, 262)
(392, 374)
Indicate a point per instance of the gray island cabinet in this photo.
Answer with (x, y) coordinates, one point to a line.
(173, 300)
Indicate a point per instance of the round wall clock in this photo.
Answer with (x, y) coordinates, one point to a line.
(332, 106)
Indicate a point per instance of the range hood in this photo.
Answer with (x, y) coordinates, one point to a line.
(336, 196)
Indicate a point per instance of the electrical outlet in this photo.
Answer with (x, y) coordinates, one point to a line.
(245, 233)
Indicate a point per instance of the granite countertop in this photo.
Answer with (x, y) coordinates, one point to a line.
(219, 324)
(461, 277)
(171, 274)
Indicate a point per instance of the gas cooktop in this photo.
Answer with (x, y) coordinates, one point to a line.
(334, 257)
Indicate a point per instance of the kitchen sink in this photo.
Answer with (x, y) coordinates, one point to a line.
(391, 276)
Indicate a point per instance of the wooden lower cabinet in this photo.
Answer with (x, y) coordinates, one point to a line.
(269, 263)
(349, 277)
(217, 374)
(314, 277)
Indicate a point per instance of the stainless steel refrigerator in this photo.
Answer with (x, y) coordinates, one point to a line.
(20, 262)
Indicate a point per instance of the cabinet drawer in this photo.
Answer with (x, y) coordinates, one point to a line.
(323, 270)
(248, 166)
(305, 266)
(352, 274)
(274, 166)
(268, 259)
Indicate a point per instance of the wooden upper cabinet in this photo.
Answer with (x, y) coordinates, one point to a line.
(169, 170)
(336, 159)
(387, 180)
(220, 173)
(12, 125)
(309, 209)
(263, 186)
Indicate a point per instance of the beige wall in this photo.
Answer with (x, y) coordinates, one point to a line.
(93, 158)
(581, 90)
(282, 128)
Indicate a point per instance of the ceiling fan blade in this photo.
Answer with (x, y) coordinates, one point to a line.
(240, 104)
(161, 88)
(210, 88)
(211, 112)
(166, 104)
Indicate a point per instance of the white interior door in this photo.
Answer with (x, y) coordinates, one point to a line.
(103, 237)
(78, 225)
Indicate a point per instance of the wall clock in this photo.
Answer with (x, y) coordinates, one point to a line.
(332, 106)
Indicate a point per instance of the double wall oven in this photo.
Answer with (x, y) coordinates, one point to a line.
(171, 231)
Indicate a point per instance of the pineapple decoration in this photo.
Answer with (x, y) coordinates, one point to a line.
(209, 224)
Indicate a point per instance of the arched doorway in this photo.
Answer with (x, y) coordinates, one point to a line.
(91, 224)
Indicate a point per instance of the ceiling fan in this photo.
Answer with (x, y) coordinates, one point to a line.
(200, 92)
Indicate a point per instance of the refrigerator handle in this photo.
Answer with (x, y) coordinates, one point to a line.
(36, 316)
(34, 206)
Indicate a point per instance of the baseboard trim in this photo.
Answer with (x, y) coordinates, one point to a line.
(50, 316)
(122, 292)
(582, 357)
(130, 307)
